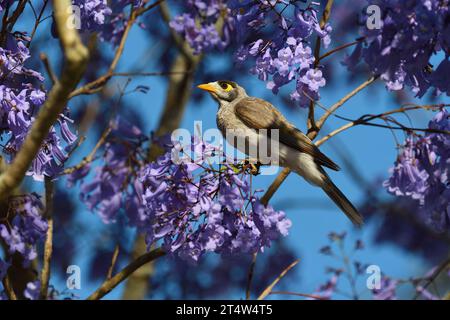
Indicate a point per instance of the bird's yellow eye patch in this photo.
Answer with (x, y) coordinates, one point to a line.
(226, 86)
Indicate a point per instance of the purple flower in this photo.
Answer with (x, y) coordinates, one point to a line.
(26, 228)
(194, 209)
(20, 101)
(282, 56)
(400, 51)
(32, 290)
(421, 173)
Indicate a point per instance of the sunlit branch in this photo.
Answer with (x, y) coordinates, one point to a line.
(113, 282)
(267, 291)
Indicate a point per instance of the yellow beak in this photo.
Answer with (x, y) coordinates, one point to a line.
(207, 87)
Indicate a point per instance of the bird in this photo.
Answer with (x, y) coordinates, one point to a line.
(239, 111)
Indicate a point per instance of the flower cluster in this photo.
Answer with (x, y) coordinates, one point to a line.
(421, 173)
(282, 55)
(24, 226)
(111, 188)
(400, 49)
(190, 207)
(20, 101)
(109, 20)
(196, 209)
(204, 36)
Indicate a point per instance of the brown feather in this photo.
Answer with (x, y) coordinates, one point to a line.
(260, 114)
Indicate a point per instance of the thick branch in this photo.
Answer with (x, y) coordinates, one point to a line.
(76, 56)
(48, 248)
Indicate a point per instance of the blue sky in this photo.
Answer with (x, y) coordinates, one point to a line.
(313, 216)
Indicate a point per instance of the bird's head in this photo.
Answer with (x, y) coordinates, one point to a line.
(224, 90)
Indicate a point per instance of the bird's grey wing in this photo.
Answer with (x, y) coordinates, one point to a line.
(260, 114)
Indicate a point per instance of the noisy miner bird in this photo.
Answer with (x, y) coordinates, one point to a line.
(238, 111)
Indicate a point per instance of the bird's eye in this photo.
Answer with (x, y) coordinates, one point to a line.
(226, 86)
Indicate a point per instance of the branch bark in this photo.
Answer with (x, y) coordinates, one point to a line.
(76, 57)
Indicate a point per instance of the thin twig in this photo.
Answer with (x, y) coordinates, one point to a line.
(365, 120)
(48, 68)
(113, 263)
(37, 22)
(338, 104)
(91, 156)
(148, 74)
(267, 291)
(325, 16)
(16, 14)
(306, 295)
(110, 284)
(344, 46)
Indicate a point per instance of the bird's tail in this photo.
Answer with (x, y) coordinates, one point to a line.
(342, 202)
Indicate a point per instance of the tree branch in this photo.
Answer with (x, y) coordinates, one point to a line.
(113, 282)
(267, 291)
(48, 248)
(324, 20)
(98, 84)
(9, 290)
(365, 120)
(76, 56)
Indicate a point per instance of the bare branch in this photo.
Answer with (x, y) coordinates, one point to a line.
(365, 120)
(305, 295)
(267, 291)
(338, 104)
(339, 48)
(48, 68)
(113, 263)
(323, 22)
(110, 284)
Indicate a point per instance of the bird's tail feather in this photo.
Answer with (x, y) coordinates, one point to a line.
(342, 202)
